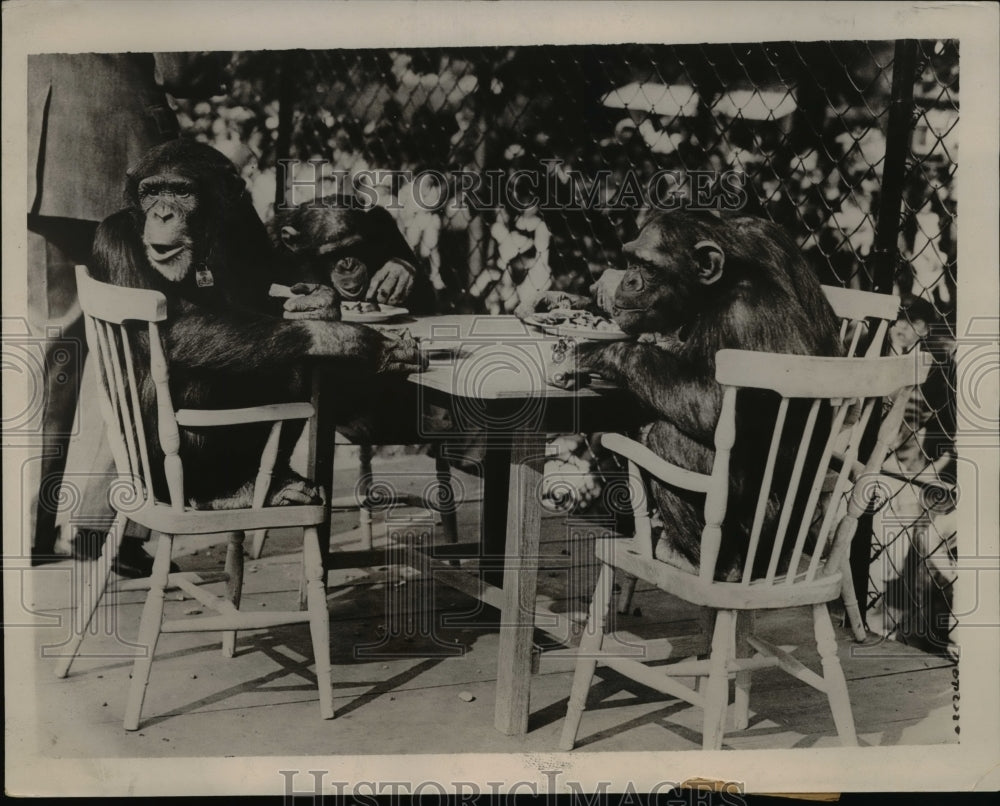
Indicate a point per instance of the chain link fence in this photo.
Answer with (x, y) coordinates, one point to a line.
(852, 146)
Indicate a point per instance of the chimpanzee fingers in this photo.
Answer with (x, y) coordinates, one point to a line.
(304, 288)
(400, 367)
(389, 289)
(404, 285)
(316, 315)
(376, 283)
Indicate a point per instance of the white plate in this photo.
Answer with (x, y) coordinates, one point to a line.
(386, 313)
(573, 331)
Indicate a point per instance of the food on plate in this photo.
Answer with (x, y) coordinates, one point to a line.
(580, 320)
(360, 306)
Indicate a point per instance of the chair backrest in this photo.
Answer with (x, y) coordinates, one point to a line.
(854, 308)
(849, 388)
(107, 309)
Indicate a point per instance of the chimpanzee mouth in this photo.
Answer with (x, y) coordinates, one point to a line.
(351, 292)
(161, 253)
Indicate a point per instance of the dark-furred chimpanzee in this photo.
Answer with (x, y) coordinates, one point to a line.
(697, 283)
(360, 252)
(190, 231)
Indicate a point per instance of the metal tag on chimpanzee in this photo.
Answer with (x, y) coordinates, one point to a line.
(204, 278)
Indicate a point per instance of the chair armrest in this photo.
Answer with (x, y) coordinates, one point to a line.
(662, 469)
(204, 418)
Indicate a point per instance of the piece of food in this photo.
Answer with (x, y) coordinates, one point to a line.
(360, 306)
(282, 291)
(577, 320)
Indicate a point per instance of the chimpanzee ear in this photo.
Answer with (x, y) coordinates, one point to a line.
(291, 238)
(711, 259)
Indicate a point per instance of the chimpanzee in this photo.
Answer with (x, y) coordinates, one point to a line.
(697, 283)
(359, 252)
(190, 232)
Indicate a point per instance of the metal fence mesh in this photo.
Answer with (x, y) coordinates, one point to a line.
(831, 137)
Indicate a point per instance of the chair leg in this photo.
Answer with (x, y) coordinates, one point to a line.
(833, 675)
(90, 596)
(446, 500)
(586, 664)
(364, 485)
(319, 619)
(234, 586)
(149, 631)
(257, 538)
(850, 598)
(744, 628)
(625, 597)
(717, 689)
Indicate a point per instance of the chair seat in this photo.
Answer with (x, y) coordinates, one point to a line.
(166, 519)
(618, 553)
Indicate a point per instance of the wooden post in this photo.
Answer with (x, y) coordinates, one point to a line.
(524, 515)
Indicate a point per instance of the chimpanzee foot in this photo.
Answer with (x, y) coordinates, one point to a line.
(293, 489)
(289, 488)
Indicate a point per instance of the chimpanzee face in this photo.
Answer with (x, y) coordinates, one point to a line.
(669, 269)
(331, 241)
(168, 201)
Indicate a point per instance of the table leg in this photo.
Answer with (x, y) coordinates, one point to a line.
(496, 483)
(322, 438)
(517, 622)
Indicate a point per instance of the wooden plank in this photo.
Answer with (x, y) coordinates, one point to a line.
(197, 418)
(812, 376)
(244, 621)
(520, 585)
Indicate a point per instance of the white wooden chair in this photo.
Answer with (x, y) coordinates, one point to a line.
(106, 309)
(858, 311)
(848, 386)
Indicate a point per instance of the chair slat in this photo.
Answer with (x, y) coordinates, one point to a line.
(765, 490)
(814, 491)
(140, 428)
(839, 487)
(852, 349)
(124, 407)
(118, 451)
(790, 492)
(268, 457)
(170, 438)
(875, 348)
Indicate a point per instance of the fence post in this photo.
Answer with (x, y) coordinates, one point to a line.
(884, 260)
(283, 148)
(899, 131)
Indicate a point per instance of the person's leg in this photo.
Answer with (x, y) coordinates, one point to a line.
(55, 247)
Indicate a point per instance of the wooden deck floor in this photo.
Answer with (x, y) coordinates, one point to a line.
(408, 653)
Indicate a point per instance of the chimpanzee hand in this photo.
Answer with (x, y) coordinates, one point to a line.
(400, 352)
(603, 291)
(551, 301)
(313, 301)
(392, 283)
(562, 368)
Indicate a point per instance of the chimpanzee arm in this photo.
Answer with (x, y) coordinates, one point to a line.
(678, 381)
(670, 385)
(196, 338)
(383, 237)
